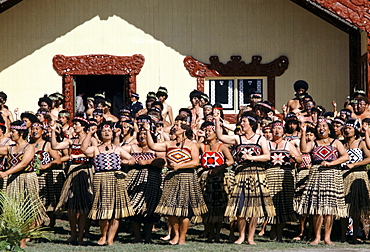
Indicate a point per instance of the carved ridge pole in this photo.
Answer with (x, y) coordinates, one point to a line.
(99, 64)
(357, 12)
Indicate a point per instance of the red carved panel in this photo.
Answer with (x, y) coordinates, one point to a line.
(68, 66)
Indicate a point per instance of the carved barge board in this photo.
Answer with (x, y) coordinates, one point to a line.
(237, 67)
(100, 64)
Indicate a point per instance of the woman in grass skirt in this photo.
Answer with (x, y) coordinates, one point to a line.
(250, 198)
(214, 180)
(280, 179)
(22, 178)
(301, 178)
(77, 195)
(356, 182)
(323, 196)
(111, 201)
(181, 198)
(4, 141)
(144, 182)
(50, 173)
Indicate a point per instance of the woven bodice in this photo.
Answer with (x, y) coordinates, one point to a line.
(107, 162)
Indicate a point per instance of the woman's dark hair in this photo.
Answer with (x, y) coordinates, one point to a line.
(189, 114)
(45, 99)
(265, 107)
(46, 113)
(158, 103)
(252, 118)
(205, 124)
(219, 106)
(83, 123)
(357, 128)
(186, 127)
(22, 132)
(331, 133)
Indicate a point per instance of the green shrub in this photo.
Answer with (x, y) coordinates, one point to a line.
(17, 215)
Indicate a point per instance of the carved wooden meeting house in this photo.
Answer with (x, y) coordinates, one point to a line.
(223, 48)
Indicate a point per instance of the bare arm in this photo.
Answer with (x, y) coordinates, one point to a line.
(221, 137)
(342, 158)
(126, 157)
(305, 147)
(154, 146)
(28, 155)
(294, 153)
(58, 146)
(229, 158)
(366, 160)
(170, 114)
(88, 150)
(265, 153)
(54, 154)
(194, 162)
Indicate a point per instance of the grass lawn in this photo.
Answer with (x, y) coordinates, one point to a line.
(194, 242)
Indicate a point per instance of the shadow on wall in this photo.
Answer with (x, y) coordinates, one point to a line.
(181, 25)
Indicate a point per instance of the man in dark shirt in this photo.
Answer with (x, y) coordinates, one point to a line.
(135, 105)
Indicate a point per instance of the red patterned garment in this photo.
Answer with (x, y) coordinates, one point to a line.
(211, 159)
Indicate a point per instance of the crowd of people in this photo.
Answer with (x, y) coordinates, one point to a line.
(140, 164)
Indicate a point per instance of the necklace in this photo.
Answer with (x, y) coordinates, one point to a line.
(323, 140)
(107, 147)
(349, 144)
(251, 136)
(211, 145)
(182, 143)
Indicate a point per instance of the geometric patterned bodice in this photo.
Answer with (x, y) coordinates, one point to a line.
(324, 153)
(211, 159)
(76, 150)
(355, 155)
(279, 157)
(178, 155)
(16, 158)
(253, 149)
(44, 156)
(306, 160)
(143, 155)
(107, 162)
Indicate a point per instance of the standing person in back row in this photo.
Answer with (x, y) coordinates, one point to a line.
(162, 95)
(135, 105)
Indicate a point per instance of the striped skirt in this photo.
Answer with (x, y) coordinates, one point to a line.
(357, 192)
(281, 185)
(301, 179)
(27, 184)
(251, 196)
(181, 195)
(77, 194)
(51, 183)
(324, 193)
(144, 190)
(111, 200)
(215, 191)
(3, 183)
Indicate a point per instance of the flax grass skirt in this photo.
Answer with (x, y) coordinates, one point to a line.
(301, 179)
(77, 194)
(215, 191)
(26, 185)
(251, 196)
(324, 193)
(144, 190)
(111, 200)
(357, 191)
(51, 183)
(181, 195)
(281, 186)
